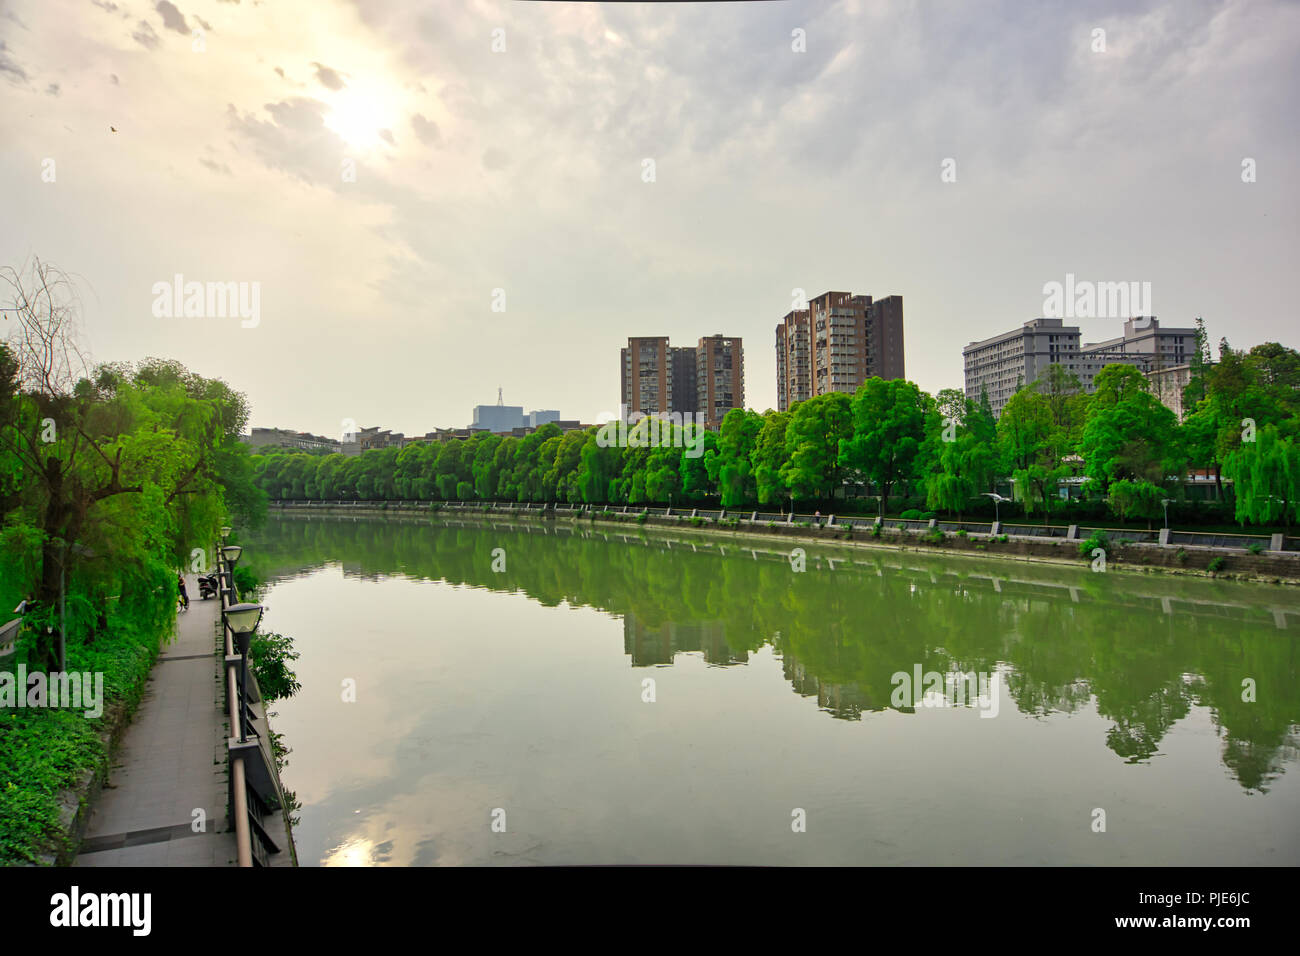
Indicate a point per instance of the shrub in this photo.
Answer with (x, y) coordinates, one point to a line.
(1215, 565)
(641, 518)
(1181, 556)
(934, 535)
(1097, 540)
(962, 533)
(911, 514)
(1254, 547)
(269, 656)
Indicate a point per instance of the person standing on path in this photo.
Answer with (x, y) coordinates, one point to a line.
(185, 598)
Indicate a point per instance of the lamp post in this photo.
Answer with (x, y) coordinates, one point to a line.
(242, 619)
(225, 532)
(1166, 502)
(231, 553)
(997, 502)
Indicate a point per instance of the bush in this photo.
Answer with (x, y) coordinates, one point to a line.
(1181, 556)
(1215, 565)
(934, 535)
(269, 656)
(1255, 547)
(911, 514)
(962, 533)
(641, 518)
(1098, 540)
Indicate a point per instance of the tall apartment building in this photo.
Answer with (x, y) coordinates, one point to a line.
(684, 369)
(1001, 365)
(793, 361)
(720, 378)
(836, 344)
(658, 379)
(647, 375)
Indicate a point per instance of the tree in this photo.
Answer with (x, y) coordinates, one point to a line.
(735, 471)
(769, 457)
(888, 428)
(812, 445)
(1265, 475)
(115, 469)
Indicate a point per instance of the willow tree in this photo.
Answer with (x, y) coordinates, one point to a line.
(114, 472)
(1265, 477)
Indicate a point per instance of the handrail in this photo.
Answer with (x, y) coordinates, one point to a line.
(238, 776)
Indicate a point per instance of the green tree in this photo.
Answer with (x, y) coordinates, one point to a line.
(888, 427)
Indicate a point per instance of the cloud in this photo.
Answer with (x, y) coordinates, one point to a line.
(495, 159)
(106, 5)
(173, 19)
(10, 68)
(294, 140)
(215, 166)
(426, 131)
(387, 136)
(145, 36)
(328, 78)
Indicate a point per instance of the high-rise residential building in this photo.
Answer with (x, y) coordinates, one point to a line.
(836, 344)
(720, 377)
(647, 374)
(683, 370)
(793, 361)
(1001, 365)
(706, 379)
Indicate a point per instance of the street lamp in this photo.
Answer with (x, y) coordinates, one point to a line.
(1166, 502)
(231, 553)
(997, 502)
(242, 619)
(225, 532)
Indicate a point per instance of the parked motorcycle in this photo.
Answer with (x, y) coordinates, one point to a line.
(207, 586)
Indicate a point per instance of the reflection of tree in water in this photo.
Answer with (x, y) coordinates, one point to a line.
(1140, 727)
(1146, 653)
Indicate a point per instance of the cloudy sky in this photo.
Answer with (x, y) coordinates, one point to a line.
(522, 169)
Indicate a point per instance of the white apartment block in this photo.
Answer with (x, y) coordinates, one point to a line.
(1002, 365)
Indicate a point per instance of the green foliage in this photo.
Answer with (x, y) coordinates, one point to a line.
(1216, 564)
(1136, 499)
(1098, 539)
(269, 658)
(109, 478)
(1266, 477)
(888, 426)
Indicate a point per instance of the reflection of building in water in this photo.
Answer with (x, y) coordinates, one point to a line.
(648, 645)
(845, 701)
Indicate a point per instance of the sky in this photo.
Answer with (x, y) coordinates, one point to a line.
(435, 200)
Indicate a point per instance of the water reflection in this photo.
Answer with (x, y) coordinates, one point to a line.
(1143, 650)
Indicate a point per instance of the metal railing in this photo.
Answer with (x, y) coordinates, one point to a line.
(254, 785)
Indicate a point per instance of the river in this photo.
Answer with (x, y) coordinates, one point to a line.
(567, 693)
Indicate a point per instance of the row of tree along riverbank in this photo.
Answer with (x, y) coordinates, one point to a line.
(1273, 559)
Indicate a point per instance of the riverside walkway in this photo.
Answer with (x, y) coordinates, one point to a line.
(172, 761)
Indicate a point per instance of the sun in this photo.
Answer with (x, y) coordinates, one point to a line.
(358, 114)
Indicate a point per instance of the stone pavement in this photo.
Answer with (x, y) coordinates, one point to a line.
(172, 760)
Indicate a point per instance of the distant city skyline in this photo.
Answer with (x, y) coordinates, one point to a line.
(416, 219)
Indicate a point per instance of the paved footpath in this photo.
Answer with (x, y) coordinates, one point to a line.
(172, 760)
